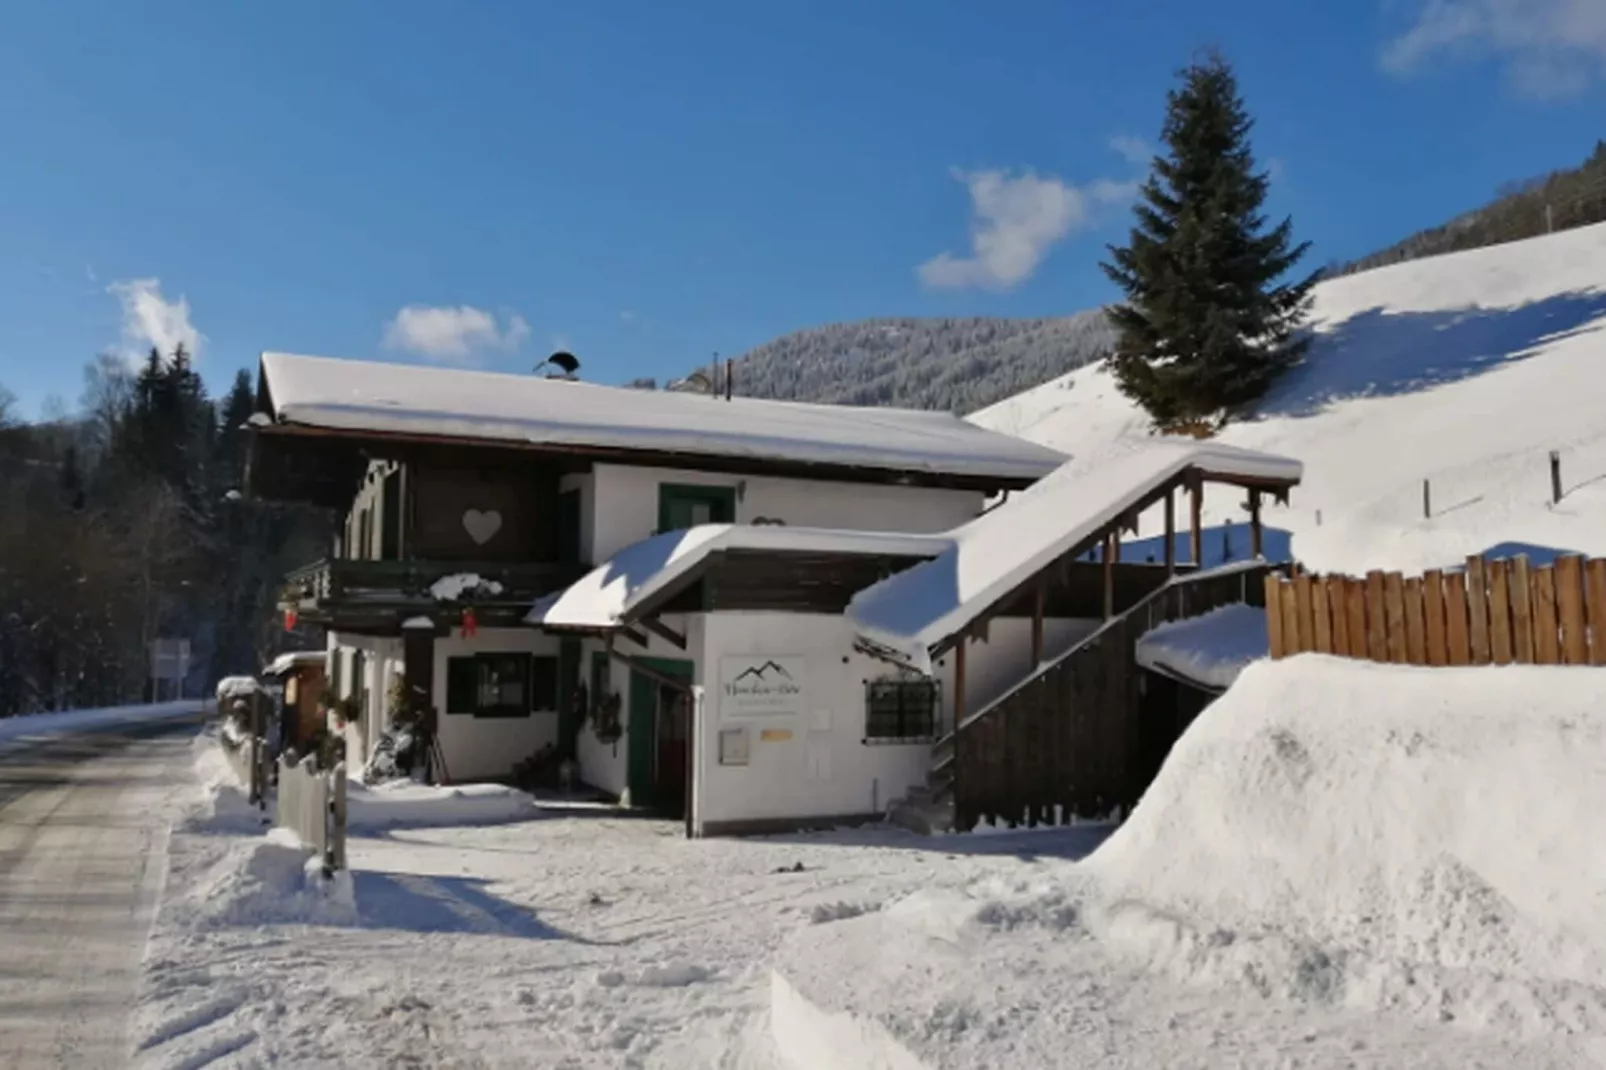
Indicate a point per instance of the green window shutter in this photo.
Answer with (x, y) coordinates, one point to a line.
(462, 685)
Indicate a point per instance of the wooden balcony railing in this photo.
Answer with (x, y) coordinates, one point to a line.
(353, 593)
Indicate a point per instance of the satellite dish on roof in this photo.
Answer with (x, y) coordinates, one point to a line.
(565, 361)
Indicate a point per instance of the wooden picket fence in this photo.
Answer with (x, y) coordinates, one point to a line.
(1489, 613)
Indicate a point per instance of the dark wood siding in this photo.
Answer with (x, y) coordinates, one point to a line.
(525, 500)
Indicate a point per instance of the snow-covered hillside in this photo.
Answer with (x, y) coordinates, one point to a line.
(1463, 370)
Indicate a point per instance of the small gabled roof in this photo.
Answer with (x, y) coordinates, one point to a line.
(400, 400)
(612, 594)
(909, 614)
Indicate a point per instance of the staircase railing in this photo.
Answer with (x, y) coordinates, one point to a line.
(1067, 743)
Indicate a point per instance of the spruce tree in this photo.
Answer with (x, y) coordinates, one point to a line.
(1208, 323)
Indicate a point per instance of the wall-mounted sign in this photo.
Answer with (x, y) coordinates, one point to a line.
(760, 686)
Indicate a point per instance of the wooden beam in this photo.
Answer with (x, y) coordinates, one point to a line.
(639, 638)
(1196, 519)
(1110, 543)
(1040, 595)
(664, 632)
(959, 684)
(1170, 532)
(1256, 533)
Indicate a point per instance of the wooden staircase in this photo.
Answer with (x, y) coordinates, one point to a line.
(1078, 738)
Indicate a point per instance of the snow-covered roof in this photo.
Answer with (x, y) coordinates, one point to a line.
(1210, 649)
(232, 687)
(909, 613)
(448, 402)
(605, 596)
(285, 662)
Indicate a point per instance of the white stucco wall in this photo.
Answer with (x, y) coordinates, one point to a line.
(818, 764)
(477, 748)
(623, 505)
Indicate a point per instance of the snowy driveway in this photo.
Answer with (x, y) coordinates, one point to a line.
(81, 844)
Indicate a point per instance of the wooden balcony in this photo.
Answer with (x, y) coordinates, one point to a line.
(376, 597)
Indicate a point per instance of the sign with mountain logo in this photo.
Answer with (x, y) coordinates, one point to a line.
(760, 686)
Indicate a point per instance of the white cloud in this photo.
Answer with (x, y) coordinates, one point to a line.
(1549, 48)
(1134, 150)
(454, 335)
(150, 319)
(1015, 221)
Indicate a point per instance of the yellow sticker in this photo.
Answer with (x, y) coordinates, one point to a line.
(773, 735)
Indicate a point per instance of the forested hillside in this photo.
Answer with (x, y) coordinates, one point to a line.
(119, 528)
(1560, 201)
(955, 364)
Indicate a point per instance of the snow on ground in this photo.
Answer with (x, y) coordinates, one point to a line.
(31, 726)
(404, 803)
(576, 941)
(1212, 648)
(1465, 370)
(1341, 864)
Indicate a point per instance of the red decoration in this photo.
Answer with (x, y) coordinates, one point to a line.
(289, 620)
(470, 625)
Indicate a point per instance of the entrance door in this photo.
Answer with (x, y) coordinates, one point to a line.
(659, 734)
(669, 772)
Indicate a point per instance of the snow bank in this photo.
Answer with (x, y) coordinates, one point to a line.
(1381, 836)
(1212, 648)
(46, 725)
(402, 803)
(265, 880)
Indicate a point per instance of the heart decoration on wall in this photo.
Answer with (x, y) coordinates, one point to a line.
(482, 525)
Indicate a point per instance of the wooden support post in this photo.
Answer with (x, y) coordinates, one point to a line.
(1110, 541)
(1039, 596)
(1256, 533)
(1196, 520)
(959, 682)
(418, 677)
(1170, 532)
(1427, 500)
(1555, 475)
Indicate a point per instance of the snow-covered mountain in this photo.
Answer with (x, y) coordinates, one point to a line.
(1464, 370)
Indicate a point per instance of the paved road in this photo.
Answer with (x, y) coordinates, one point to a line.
(82, 840)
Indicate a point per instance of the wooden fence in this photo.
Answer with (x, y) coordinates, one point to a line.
(312, 804)
(1489, 613)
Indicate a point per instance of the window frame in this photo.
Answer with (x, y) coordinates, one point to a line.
(539, 672)
(712, 493)
(926, 720)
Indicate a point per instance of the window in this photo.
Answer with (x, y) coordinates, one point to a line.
(682, 506)
(501, 685)
(901, 710)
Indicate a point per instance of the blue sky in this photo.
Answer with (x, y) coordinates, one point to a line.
(648, 183)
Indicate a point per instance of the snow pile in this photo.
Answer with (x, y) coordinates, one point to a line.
(1381, 865)
(238, 687)
(453, 587)
(37, 726)
(1383, 837)
(1211, 649)
(1463, 370)
(218, 803)
(402, 803)
(265, 880)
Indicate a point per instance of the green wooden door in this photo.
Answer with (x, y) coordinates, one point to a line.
(642, 729)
